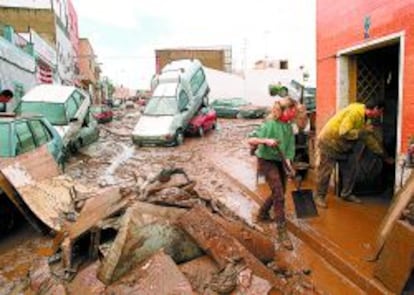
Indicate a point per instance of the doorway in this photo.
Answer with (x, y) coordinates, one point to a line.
(372, 73)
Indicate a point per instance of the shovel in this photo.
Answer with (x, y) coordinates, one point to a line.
(302, 198)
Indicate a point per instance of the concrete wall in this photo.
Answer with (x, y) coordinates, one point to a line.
(340, 25)
(17, 70)
(214, 59)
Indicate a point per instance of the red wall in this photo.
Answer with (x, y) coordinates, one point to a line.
(340, 25)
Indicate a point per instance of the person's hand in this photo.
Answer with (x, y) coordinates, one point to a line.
(271, 142)
(369, 127)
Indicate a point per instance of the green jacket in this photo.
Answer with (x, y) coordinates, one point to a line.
(280, 131)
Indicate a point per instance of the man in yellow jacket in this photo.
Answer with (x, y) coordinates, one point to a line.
(336, 141)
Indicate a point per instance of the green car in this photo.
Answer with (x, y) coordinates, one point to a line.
(22, 134)
(237, 108)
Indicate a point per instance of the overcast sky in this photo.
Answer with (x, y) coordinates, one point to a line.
(125, 33)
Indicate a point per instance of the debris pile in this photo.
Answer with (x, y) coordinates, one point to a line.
(161, 237)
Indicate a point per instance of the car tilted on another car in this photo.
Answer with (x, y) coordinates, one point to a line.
(66, 108)
(206, 119)
(179, 92)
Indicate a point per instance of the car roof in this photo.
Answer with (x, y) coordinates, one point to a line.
(10, 117)
(49, 93)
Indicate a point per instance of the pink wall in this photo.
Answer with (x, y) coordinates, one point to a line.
(340, 25)
(73, 27)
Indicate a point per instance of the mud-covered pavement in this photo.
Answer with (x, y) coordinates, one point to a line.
(115, 161)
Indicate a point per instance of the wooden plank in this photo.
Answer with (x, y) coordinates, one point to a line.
(257, 243)
(221, 246)
(401, 201)
(158, 275)
(397, 258)
(106, 203)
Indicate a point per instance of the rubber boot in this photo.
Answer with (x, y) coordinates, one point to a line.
(283, 236)
(263, 214)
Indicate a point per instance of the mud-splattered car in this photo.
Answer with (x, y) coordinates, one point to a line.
(206, 119)
(102, 113)
(66, 108)
(237, 107)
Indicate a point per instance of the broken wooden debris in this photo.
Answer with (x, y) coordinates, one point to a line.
(199, 272)
(86, 282)
(222, 247)
(257, 243)
(136, 241)
(157, 275)
(106, 204)
(396, 261)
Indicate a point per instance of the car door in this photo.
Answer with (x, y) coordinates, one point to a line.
(43, 135)
(24, 138)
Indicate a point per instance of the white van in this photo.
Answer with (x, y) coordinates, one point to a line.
(178, 93)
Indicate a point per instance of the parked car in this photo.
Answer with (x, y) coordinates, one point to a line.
(66, 108)
(22, 134)
(102, 113)
(237, 107)
(206, 119)
(179, 92)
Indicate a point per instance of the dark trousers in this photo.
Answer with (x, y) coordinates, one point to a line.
(276, 179)
(348, 174)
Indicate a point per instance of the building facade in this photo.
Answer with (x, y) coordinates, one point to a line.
(89, 70)
(17, 64)
(54, 21)
(218, 58)
(368, 56)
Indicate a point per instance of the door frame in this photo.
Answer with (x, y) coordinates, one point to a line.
(346, 72)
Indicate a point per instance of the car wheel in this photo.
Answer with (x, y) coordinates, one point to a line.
(214, 125)
(201, 131)
(179, 138)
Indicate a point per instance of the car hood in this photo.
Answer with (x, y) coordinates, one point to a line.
(153, 125)
(62, 131)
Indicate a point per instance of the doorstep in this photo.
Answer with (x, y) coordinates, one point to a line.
(344, 234)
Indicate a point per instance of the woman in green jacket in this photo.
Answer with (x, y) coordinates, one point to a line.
(273, 138)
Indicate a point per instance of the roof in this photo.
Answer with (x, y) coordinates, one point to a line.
(49, 93)
(10, 117)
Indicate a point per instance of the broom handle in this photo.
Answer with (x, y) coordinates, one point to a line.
(284, 162)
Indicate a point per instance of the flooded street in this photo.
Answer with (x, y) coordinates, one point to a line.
(115, 161)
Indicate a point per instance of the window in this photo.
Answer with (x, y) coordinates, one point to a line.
(5, 140)
(54, 112)
(71, 107)
(79, 98)
(41, 134)
(197, 80)
(25, 142)
(183, 100)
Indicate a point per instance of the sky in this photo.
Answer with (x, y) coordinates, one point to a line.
(126, 33)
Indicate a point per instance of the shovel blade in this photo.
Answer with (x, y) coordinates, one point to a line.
(304, 204)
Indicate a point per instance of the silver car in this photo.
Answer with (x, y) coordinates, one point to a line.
(166, 116)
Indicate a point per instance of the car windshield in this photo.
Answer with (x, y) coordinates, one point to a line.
(54, 112)
(5, 140)
(164, 100)
(161, 106)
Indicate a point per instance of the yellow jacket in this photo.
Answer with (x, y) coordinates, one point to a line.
(344, 128)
